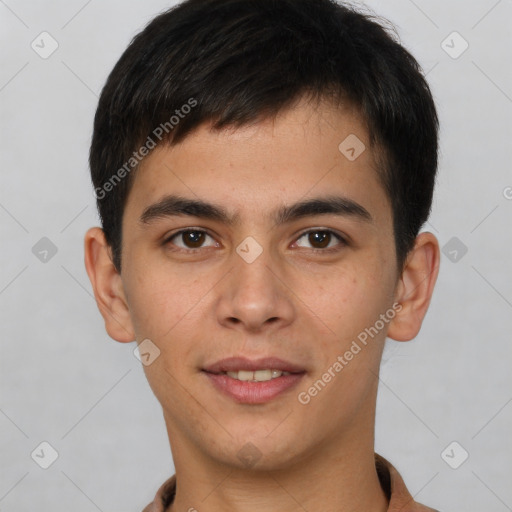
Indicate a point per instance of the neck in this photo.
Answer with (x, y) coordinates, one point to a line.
(337, 476)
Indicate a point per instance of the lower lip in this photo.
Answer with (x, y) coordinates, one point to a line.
(250, 392)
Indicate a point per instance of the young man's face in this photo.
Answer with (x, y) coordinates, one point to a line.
(257, 288)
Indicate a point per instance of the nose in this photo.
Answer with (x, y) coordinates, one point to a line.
(254, 296)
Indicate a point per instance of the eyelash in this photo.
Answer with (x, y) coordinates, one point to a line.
(342, 240)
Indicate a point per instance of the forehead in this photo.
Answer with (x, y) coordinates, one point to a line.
(306, 151)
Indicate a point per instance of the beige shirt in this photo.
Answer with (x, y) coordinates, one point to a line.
(392, 483)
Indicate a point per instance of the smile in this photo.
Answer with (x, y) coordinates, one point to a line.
(253, 387)
(256, 376)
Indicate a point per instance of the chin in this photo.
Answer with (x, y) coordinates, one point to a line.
(259, 454)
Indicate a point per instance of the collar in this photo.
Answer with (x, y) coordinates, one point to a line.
(400, 500)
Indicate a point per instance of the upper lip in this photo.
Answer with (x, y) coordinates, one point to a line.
(233, 364)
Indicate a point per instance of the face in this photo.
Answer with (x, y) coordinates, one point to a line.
(255, 278)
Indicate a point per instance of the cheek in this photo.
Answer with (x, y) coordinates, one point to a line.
(348, 304)
(159, 299)
(349, 297)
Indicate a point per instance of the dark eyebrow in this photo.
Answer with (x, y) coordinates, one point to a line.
(173, 205)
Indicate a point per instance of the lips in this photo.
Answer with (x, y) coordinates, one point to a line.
(255, 390)
(233, 364)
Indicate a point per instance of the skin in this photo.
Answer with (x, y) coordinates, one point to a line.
(291, 302)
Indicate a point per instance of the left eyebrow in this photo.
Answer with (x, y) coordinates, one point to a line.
(174, 205)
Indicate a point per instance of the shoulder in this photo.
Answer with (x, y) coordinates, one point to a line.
(400, 499)
(164, 496)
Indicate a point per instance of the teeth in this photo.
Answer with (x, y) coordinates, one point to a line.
(257, 376)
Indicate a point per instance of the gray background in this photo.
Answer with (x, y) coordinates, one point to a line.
(64, 381)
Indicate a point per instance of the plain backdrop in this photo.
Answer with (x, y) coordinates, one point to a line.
(65, 382)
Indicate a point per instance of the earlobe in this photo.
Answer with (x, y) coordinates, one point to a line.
(415, 287)
(107, 286)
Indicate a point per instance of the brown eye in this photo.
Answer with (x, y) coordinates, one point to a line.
(320, 239)
(189, 238)
(194, 238)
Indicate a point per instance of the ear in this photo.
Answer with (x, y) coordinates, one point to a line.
(415, 287)
(107, 286)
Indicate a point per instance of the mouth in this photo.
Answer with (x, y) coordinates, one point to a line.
(253, 381)
(256, 376)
